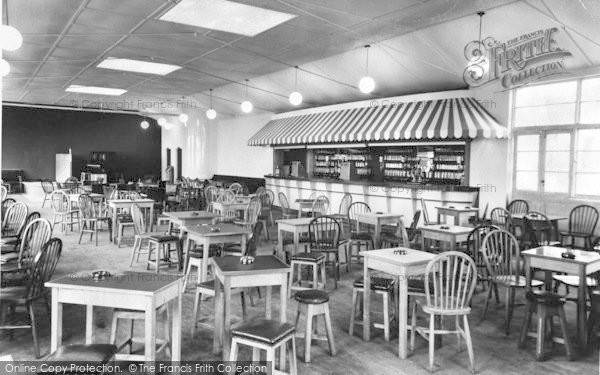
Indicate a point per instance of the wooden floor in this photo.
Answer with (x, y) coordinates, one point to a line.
(495, 353)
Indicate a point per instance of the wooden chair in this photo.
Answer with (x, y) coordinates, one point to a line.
(14, 219)
(500, 217)
(426, 219)
(518, 206)
(503, 260)
(342, 215)
(474, 244)
(42, 268)
(3, 192)
(396, 239)
(35, 235)
(63, 213)
(211, 193)
(285, 206)
(537, 231)
(450, 280)
(6, 203)
(320, 206)
(47, 188)
(324, 232)
(582, 224)
(11, 244)
(267, 197)
(92, 217)
(236, 188)
(358, 237)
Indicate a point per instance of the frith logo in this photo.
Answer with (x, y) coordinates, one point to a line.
(516, 62)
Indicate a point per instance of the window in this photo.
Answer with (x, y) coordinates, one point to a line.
(556, 129)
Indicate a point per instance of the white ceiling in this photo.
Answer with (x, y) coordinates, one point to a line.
(417, 47)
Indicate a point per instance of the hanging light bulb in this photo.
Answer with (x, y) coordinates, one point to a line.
(183, 118)
(11, 38)
(162, 121)
(168, 125)
(211, 113)
(4, 68)
(366, 84)
(296, 97)
(145, 124)
(246, 105)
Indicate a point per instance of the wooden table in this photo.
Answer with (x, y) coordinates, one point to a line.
(190, 218)
(304, 204)
(267, 270)
(127, 290)
(517, 220)
(74, 198)
(205, 236)
(457, 212)
(549, 259)
(117, 204)
(413, 263)
(294, 226)
(451, 235)
(236, 205)
(378, 219)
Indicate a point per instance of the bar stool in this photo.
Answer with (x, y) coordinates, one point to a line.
(546, 305)
(163, 244)
(207, 288)
(316, 262)
(132, 316)
(268, 335)
(385, 288)
(315, 302)
(194, 258)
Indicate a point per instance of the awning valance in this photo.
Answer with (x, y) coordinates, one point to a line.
(456, 118)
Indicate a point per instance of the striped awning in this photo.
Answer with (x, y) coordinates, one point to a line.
(458, 118)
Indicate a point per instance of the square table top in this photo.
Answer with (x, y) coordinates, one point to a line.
(191, 214)
(550, 217)
(231, 266)
(452, 229)
(225, 229)
(412, 257)
(143, 200)
(134, 282)
(458, 208)
(554, 253)
(301, 221)
(382, 215)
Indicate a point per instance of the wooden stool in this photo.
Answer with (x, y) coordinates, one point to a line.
(163, 244)
(546, 305)
(315, 302)
(312, 260)
(385, 288)
(132, 316)
(357, 240)
(123, 220)
(194, 258)
(268, 335)
(207, 288)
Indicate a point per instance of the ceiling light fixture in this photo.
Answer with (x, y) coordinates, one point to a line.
(366, 83)
(144, 124)
(162, 121)
(211, 113)
(246, 104)
(223, 15)
(95, 90)
(137, 66)
(11, 38)
(296, 97)
(475, 53)
(183, 118)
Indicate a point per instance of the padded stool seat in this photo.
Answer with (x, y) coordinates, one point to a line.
(92, 353)
(309, 257)
(164, 238)
(312, 296)
(383, 284)
(545, 297)
(264, 330)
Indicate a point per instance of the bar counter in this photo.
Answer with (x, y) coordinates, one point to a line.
(380, 196)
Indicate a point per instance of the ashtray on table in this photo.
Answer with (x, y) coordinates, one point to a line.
(378, 213)
(195, 214)
(444, 227)
(100, 275)
(215, 229)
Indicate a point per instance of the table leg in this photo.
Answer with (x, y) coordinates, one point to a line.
(243, 244)
(205, 258)
(150, 331)
(268, 302)
(402, 315)
(296, 240)
(527, 274)
(176, 327)
(366, 301)
(300, 210)
(218, 334)
(283, 314)
(56, 322)
(457, 218)
(151, 217)
(581, 313)
(89, 324)
(423, 248)
(226, 318)
(280, 241)
(377, 234)
(453, 240)
(439, 217)
(114, 224)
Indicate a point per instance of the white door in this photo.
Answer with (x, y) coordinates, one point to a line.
(63, 167)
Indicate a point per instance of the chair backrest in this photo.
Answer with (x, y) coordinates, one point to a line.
(450, 280)
(87, 207)
(320, 206)
(518, 206)
(425, 213)
(259, 190)
(47, 187)
(3, 192)
(37, 233)
(401, 232)
(583, 219)
(227, 196)
(211, 193)
(412, 231)
(267, 197)
(43, 266)
(252, 242)
(14, 219)
(283, 202)
(139, 221)
(501, 218)
(501, 253)
(6, 203)
(345, 204)
(31, 217)
(355, 209)
(324, 233)
(537, 230)
(475, 241)
(252, 211)
(237, 188)
(485, 210)
(60, 201)
(108, 192)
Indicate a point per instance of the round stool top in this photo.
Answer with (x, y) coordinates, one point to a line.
(377, 283)
(312, 296)
(545, 297)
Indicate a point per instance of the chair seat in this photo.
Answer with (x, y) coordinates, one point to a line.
(309, 257)
(264, 330)
(312, 296)
(545, 297)
(364, 236)
(573, 281)
(11, 279)
(575, 234)
(92, 353)
(382, 284)
(14, 294)
(163, 238)
(517, 281)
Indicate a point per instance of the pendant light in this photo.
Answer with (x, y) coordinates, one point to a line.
(246, 104)
(183, 118)
(478, 64)
(144, 124)
(366, 83)
(162, 121)
(11, 38)
(296, 97)
(211, 113)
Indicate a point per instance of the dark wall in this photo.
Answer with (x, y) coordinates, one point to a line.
(31, 137)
